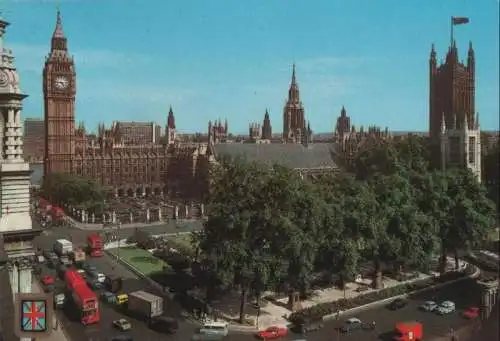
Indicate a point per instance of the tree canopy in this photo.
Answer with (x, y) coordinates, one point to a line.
(267, 228)
(71, 189)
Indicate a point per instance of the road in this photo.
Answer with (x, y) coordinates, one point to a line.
(79, 236)
(463, 294)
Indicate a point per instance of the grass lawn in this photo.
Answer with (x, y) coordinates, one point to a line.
(140, 259)
(184, 240)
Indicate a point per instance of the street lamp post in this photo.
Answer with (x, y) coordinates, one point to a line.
(119, 238)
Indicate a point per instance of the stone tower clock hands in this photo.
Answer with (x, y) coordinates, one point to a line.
(61, 82)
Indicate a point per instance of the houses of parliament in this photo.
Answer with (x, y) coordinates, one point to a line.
(140, 158)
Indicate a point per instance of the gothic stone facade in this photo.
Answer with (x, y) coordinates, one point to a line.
(453, 122)
(109, 157)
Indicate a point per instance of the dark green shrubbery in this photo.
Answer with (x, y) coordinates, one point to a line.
(317, 312)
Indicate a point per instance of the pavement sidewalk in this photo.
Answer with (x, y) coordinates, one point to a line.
(57, 331)
(87, 226)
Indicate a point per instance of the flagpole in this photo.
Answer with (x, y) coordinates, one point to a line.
(451, 35)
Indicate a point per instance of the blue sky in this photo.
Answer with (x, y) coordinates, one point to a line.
(227, 58)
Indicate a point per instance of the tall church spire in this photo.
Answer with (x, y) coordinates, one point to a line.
(293, 93)
(59, 41)
(58, 32)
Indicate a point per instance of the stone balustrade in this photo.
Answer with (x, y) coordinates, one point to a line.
(147, 215)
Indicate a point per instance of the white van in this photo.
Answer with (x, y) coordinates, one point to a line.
(212, 327)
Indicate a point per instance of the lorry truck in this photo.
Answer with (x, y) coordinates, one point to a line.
(95, 244)
(113, 284)
(63, 247)
(86, 301)
(145, 305)
(409, 331)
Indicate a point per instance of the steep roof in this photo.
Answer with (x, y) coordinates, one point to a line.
(319, 155)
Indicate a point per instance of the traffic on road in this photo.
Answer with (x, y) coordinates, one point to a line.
(437, 312)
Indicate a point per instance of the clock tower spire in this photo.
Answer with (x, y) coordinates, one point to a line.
(59, 92)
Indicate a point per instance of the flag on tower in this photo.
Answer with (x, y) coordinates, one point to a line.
(459, 20)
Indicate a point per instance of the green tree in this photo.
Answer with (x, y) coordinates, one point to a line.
(385, 157)
(234, 233)
(291, 215)
(458, 208)
(490, 173)
(75, 190)
(473, 213)
(413, 153)
(407, 238)
(339, 247)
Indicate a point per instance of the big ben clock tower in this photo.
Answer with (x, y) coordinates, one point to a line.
(59, 90)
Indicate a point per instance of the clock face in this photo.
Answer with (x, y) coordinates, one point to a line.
(61, 82)
(4, 78)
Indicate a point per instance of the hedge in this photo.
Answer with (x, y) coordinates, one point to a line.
(318, 311)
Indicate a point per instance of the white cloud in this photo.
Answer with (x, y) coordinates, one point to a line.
(31, 57)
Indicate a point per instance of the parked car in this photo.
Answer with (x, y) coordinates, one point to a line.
(273, 332)
(122, 324)
(397, 304)
(429, 306)
(445, 308)
(471, 313)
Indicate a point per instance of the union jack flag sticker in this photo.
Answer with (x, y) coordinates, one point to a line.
(34, 316)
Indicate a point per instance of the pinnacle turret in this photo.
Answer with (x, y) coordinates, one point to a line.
(293, 92)
(59, 41)
(171, 119)
(58, 31)
(443, 124)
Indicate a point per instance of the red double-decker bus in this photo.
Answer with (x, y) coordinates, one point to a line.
(85, 299)
(95, 244)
